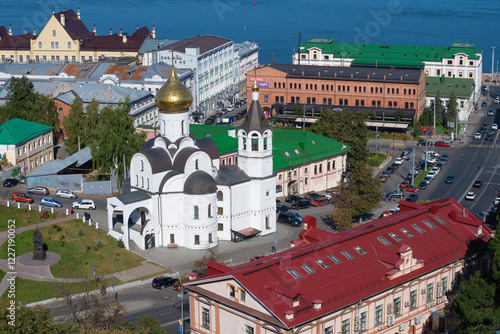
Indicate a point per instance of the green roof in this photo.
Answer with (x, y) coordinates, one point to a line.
(17, 131)
(445, 86)
(384, 62)
(390, 51)
(290, 147)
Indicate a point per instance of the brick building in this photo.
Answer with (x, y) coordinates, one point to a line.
(393, 275)
(327, 86)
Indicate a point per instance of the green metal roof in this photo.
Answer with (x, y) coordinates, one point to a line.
(17, 131)
(384, 62)
(445, 86)
(290, 147)
(390, 51)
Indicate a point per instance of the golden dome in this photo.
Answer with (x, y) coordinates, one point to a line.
(173, 97)
(255, 86)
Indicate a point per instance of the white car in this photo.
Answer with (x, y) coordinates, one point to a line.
(477, 135)
(399, 161)
(432, 174)
(84, 204)
(470, 196)
(66, 194)
(436, 170)
(494, 126)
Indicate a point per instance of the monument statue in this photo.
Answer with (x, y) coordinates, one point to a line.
(39, 252)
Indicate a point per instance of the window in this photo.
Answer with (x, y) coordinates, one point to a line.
(196, 212)
(378, 314)
(308, 269)
(57, 45)
(196, 239)
(210, 211)
(53, 33)
(231, 291)
(397, 306)
(418, 228)
(346, 326)
(450, 62)
(363, 321)
(334, 259)
(444, 283)
(242, 295)
(428, 223)
(69, 45)
(220, 210)
(266, 98)
(347, 255)
(413, 299)
(51, 45)
(268, 225)
(205, 317)
(430, 291)
(39, 45)
(248, 330)
(395, 236)
(322, 264)
(220, 227)
(294, 273)
(329, 330)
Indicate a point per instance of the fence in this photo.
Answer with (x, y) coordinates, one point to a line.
(85, 217)
(97, 188)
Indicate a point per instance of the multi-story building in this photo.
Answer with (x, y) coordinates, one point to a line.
(65, 38)
(212, 60)
(329, 87)
(303, 161)
(459, 60)
(246, 60)
(26, 144)
(393, 275)
(463, 89)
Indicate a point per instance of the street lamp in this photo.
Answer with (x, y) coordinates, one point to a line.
(181, 322)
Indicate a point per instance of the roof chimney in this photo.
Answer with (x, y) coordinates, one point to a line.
(63, 18)
(302, 73)
(121, 31)
(434, 209)
(384, 76)
(317, 304)
(78, 13)
(95, 30)
(153, 34)
(124, 38)
(352, 75)
(110, 31)
(401, 78)
(309, 222)
(335, 74)
(34, 31)
(10, 29)
(285, 262)
(25, 30)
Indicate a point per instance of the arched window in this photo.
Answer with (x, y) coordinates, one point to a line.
(196, 212)
(142, 166)
(220, 196)
(182, 128)
(142, 181)
(255, 143)
(210, 211)
(196, 164)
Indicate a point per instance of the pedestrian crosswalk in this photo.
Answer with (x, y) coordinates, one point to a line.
(483, 146)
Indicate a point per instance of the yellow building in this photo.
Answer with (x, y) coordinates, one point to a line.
(66, 38)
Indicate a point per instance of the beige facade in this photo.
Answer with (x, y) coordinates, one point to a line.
(34, 153)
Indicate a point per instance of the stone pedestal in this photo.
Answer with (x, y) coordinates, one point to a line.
(40, 256)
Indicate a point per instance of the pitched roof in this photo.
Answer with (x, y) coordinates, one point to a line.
(115, 41)
(255, 120)
(390, 51)
(105, 94)
(204, 42)
(55, 166)
(356, 264)
(17, 131)
(73, 25)
(14, 42)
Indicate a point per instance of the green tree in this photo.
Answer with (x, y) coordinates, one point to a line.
(346, 127)
(427, 117)
(494, 248)
(75, 127)
(344, 208)
(150, 325)
(439, 110)
(416, 129)
(399, 114)
(475, 307)
(451, 113)
(364, 188)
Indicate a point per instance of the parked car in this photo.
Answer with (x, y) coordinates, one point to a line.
(39, 191)
(10, 182)
(289, 218)
(494, 126)
(491, 112)
(422, 185)
(22, 179)
(87, 204)
(441, 144)
(489, 137)
(22, 197)
(477, 135)
(319, 202)
(449, 179)
(470, 196)
(390, 169)
(296, 214)
(427, 179)
(432, 174)
(383, 178)
(399, 161)
(484, 104)
(412, 198)
(394, 166)
(282, 208)
(409, 187)
(477, 184)
(395, 194)
(292, 198)
(66, 194)
(49, 201)
(161, 282)
(485, 125)
(311, 196)
(301, 204)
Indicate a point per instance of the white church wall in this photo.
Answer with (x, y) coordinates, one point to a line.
(198, 161)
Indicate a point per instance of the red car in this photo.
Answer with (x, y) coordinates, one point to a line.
(485, 125)
(442, 144)
(319, 202)
(409, 187)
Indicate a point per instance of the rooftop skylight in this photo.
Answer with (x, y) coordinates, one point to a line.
(347, 255)
(384, 241)
(418, 228)
(334, 259)
(428, 223)
(360, 250)
(308, 269)
(395, 236)
(294, 273)
(407, 233)
(322, 264)
(440, 220)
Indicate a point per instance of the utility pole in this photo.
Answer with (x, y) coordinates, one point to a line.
(434, 130)
(376, 137)
(413, 169)
(492, 62)
(425, 158)
(304, 120)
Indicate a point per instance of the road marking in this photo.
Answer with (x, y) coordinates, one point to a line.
(474, 179)
(174, 322)
(484, 189)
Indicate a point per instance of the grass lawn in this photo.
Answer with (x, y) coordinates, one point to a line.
(28, 291)
(2, 275)
(375, 161)
(420, 177)
(79, 253)
(23, 217)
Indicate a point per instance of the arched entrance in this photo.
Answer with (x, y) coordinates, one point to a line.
(411, 330)
(292, 187)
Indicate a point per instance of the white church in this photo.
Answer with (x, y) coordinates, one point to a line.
(182, 197)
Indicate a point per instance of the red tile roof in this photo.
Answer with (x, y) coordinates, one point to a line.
(343, 284)
(205, 43)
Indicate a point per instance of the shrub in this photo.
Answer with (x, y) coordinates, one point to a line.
(80, 232)
(99, 243)
(120, 243)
